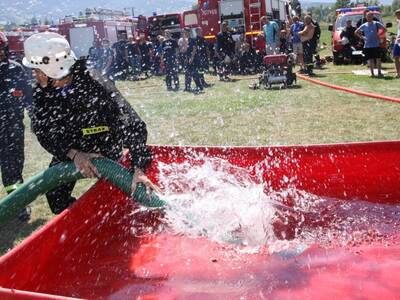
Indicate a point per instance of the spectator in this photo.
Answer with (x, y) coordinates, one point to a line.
(396, 47)
(349, 40)
(15, 95)
(306, 36)
(203, 49)
(133, 58)
(94, 56)
(247, 60)
(183, 44)
(145, 51)
(315, 40)
(169, 49)
(106, 59)
(120, 66)
(225, 51)
(364, 19)
(193, 65)
(297, 45)
(271, 35)
(158, 67)
(369, 32)
(284, 34)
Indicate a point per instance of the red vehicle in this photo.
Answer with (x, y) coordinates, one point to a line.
(191, 19)
(157, 24)
(354, 14)
(83, 33)
(243, 16)
(17, 37)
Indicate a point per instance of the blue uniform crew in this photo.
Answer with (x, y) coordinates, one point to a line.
(169, 55)
(15, 95)
(225, 51)
(193, 66)
(202, 47)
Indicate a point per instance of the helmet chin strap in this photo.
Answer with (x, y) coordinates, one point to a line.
(51, 81)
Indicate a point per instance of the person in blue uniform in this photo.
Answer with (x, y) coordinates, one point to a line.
(15, 95)
(169, 49)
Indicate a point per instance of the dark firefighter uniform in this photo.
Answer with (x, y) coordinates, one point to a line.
(225, 47)
(15, 95)
(89, 115)
(169, 49)
(202, 47)
(193, 65)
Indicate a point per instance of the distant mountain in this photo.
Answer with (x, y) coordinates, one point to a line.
(19, 11)
(22, 10)
(316, 3)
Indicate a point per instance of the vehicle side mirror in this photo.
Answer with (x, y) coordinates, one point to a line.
(330, 27)
(388, 25)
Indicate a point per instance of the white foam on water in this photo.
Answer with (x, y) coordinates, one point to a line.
(214, 199)
(218, 201)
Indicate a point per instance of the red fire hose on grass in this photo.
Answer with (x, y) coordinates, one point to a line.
(347, 90)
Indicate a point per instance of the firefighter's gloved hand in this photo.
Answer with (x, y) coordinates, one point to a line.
(83, 163)
(140, 177)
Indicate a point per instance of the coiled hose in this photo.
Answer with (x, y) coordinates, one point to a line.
(64, 173)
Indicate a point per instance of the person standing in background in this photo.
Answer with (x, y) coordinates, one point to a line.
(225, 51)
(120, 66)
(369, 32)
(202, 48)
(183, 44)
(145, 52)
(271, 35)
(396, 47)
(15, 95)
(306, 36)
(169, 50)
(133, 58)
(106, 59)
(297, 45)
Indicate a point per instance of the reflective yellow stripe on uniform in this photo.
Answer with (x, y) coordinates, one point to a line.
(95, 130)
(254, 33)
(12, 188)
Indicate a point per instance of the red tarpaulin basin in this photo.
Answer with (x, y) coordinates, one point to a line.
(90, 252)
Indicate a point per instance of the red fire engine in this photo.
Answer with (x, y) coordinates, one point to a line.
(97, 25)
(157, 24)
(17, 37)
(243, 16)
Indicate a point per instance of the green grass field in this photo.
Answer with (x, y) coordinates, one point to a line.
(231, 114)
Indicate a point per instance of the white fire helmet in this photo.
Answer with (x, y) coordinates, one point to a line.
(50, 53)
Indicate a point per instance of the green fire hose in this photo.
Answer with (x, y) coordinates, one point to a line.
(65, 173)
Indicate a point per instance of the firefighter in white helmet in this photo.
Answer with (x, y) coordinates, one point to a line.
(15, 95)
(78, 115)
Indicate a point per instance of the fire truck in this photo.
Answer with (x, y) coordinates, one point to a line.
(98, 24)
(243, 16)
(17, 37)
(355, 14)
(157, 24)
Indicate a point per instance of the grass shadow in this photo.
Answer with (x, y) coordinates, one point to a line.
(15, 231)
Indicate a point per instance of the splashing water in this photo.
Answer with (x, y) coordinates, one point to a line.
(218, 201)
(224, 203)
